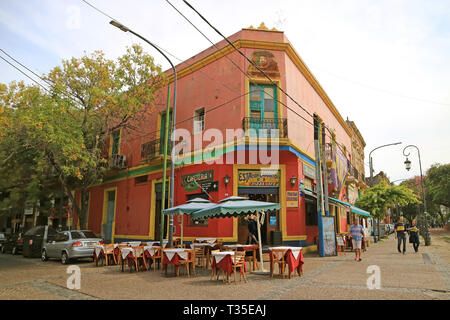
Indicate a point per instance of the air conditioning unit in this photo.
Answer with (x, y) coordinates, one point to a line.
(118, 161)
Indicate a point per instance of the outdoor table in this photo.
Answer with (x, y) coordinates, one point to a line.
(209, 247)
(173, 256)
(207, 240)
(223, 261)
(100, 251)
(151, 243)
(293, 257)
(150, 252)
(130, 254)
(246, 247)
(132, 243)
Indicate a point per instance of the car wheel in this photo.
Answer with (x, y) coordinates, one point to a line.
(64, 258)
(44, 256)
(14, 251)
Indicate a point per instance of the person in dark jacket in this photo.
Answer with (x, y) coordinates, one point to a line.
(252, 226)
(400, 234)
(414, 236)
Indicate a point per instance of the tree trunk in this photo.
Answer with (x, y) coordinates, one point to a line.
(84, 208)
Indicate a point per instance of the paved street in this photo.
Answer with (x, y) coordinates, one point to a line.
(424, 275)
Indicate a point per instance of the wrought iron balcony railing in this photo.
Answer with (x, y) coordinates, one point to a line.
(266, 128)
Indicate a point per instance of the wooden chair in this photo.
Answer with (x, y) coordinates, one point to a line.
(281, 262)
(200, 255)
(239, 263)
(189, 261)
(139, 258)
(154, 259)
(109, 254)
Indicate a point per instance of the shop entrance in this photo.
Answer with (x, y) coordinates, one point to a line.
(271, 219)
(158, 207)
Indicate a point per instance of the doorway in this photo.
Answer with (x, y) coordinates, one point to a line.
(271, 219)
(158, 208)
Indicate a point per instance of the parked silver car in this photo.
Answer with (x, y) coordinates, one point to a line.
(70, 245)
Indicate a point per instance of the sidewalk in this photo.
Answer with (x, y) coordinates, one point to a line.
(423, 275)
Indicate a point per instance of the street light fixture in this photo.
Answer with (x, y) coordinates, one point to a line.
(408, 166)
(172, 168)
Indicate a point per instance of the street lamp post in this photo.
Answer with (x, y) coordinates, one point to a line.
(408, 166)
(172, 167)
(371, 180)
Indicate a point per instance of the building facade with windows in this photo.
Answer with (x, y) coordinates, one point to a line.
(237, 134)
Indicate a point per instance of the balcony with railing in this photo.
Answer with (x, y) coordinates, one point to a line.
(265, 128)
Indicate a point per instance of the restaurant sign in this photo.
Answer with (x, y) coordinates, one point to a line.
(258, 178)
(191, 182)
(291, 199)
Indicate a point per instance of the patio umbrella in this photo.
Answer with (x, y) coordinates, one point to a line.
(239, 206)
(188, 208)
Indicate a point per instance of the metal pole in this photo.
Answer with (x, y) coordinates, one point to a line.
(324, 169)
(172, 169)
(166, 138)
(371, 179)
(427, 235)
(319, 187)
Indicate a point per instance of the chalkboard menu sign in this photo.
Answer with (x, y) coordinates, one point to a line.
(329, 236)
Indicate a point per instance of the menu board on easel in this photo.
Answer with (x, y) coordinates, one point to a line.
(329, 236)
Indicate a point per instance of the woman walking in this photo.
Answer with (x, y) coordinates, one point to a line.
(414, 236)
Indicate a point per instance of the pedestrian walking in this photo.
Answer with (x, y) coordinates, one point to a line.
(252, 226)
(414, 236)
(400, 234)
(357, 235)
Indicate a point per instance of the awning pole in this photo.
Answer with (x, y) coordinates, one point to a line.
(261, 261)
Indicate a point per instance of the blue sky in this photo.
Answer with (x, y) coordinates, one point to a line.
(384, 63)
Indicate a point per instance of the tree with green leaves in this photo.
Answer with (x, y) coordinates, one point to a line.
(70, 126)
(438, 187)
(382, 196)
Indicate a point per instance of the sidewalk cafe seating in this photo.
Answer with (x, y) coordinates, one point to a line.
(292, 256)
(275, 254)
(134, 257)
(200, 255)
(190, 261)
(152, 256)
(239, 263)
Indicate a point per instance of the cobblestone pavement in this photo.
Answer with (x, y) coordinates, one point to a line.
(424, 276)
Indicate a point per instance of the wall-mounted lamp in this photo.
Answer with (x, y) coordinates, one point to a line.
(226, 180)
(293, 180)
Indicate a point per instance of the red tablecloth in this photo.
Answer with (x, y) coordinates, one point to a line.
(175, 260)
(293, 264)
(226, 264)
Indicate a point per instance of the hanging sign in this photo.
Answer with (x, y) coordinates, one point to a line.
(291, 199)
(191, 182)
(309, 172)
(258, 178)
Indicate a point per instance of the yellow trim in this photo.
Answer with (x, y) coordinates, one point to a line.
(309, 249)
(105, 210)
(278, 46)
(282, 194)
